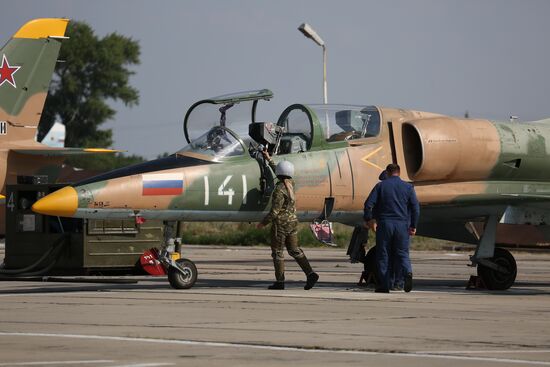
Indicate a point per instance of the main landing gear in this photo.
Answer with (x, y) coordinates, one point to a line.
(498, 272)
(496, 267)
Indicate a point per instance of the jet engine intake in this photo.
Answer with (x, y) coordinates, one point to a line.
(449, 149)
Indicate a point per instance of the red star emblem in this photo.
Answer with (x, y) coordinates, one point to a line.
(7, 71)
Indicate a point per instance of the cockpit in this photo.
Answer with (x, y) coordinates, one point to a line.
(225, 126)
(347, 122)
(219, 142)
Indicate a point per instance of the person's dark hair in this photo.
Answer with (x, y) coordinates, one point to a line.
(392, 168)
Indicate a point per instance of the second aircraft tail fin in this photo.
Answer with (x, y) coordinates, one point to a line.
(27, 62)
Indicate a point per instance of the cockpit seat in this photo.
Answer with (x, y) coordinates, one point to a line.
(344, 136)
(292, 144)
(350, 120)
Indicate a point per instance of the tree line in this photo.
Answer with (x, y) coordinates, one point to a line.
(92, 72)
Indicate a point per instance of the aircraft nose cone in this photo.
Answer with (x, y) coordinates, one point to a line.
(62, 203)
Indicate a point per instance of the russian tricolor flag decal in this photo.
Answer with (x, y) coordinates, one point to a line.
(163, 184)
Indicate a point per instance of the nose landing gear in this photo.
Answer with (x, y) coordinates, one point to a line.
(183, 274)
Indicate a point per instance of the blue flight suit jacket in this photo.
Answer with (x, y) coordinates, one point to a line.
(393, 199)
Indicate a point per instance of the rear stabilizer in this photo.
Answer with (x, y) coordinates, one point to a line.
(62, 152)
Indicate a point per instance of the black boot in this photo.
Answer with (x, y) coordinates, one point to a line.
(408, 282)
(312, 278)
(277, 285)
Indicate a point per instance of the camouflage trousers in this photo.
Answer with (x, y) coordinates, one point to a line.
(287, 236)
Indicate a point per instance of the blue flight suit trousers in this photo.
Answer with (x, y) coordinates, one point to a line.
(392, 242)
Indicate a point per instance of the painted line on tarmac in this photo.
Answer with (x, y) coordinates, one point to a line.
(431, 355)
(145, 365)
(47, 363)
(507, 351)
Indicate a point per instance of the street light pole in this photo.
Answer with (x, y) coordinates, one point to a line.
(309, 32)
(325, 98)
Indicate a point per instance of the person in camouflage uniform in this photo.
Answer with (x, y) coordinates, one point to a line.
(284, 225)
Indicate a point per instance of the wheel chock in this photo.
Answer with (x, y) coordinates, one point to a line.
(475, 282)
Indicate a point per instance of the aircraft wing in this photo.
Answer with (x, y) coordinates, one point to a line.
(62, 152)
(466, 210)
(447, 220)
(528, 197)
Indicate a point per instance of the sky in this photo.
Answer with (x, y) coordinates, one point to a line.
(491, 58)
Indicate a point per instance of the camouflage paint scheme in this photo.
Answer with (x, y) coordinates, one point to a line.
(31, 55)
(34, 53)
(34, 50)
(464, 170)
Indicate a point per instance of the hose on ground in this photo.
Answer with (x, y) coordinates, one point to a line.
(52, 250)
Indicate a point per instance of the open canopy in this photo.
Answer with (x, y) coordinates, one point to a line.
(235, 111)
(221, 126)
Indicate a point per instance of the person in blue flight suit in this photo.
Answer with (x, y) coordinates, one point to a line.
(397, 275)
(392, 210)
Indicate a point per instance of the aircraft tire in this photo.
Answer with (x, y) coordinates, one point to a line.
(495, 280)
(183, 281)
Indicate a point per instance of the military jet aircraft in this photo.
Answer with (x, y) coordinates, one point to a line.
(27, 63)
(480, 182)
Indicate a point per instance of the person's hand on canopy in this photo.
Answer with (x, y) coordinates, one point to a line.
(266, 155)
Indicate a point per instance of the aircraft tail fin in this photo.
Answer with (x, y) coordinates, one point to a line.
(27, 62)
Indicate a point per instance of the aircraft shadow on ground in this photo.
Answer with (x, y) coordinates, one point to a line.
(161, 284)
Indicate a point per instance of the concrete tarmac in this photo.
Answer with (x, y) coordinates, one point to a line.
(230, 319)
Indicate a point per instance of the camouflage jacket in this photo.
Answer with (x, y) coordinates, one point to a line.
(283, 203)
